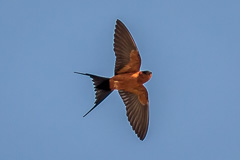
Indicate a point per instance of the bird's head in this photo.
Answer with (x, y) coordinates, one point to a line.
(145, 76)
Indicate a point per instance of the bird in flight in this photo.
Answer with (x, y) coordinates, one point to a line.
(128, 80)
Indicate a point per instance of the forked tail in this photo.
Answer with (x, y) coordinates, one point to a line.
(102, 89)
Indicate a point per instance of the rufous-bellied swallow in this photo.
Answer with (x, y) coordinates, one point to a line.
(128, 80)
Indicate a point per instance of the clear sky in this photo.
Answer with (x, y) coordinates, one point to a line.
(192, 48)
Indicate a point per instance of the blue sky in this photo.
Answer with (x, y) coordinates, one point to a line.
(192, 48)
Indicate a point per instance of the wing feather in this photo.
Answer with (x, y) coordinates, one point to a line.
(127, 56)
(137, 113)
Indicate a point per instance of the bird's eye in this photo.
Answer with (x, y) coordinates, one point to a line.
(145, 72)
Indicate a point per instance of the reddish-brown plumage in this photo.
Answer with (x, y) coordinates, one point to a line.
(128, 80)
(131, 82)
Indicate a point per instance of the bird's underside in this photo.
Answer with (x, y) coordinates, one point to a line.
(131, 89)
(128, 80)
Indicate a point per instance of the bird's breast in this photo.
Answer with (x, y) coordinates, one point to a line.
(125, 82)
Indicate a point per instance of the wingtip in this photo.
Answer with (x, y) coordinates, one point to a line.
(118, 21)
(142, 138)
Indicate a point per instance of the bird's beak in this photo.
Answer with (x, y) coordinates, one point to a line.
(150, 75)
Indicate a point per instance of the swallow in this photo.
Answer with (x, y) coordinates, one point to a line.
(128, 80)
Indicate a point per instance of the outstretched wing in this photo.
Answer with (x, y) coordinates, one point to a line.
(128, 59)
(137, 111)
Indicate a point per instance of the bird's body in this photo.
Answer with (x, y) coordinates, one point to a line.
(128, 80)
(131, 82)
